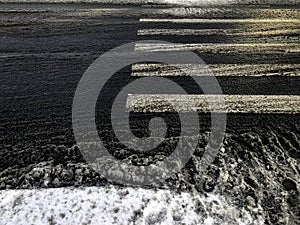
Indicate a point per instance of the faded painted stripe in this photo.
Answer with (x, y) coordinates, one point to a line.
(220, 20)
(222, 70)
(227, 32)
(221, 48)
(288, 104)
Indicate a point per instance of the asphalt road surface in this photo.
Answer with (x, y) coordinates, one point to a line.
(252, 50)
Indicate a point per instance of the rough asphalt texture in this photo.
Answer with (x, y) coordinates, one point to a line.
(44, 51)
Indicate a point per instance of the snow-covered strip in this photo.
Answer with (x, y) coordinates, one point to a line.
(111, 205)
(249, 70)
(213, 47)
(223, 13)
(227, 32)
(172, 2)
(205, 21)
(289, 104)
(137, 2)
(216, 2)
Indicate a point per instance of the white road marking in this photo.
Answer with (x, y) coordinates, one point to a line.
(239, 70)
(234, 103)
(221, 48)
(227, 32)
(221, 12)
(289, 104)
(205, 21)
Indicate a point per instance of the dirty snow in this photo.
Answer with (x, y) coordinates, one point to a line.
(112, 205)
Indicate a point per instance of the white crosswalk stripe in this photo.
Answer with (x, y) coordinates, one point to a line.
(219, 70)
(219, 47)
(288, 104)
(228, 32)
(207, 21)
(234, 103)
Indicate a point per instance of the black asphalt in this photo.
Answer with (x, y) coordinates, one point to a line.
(46, 48)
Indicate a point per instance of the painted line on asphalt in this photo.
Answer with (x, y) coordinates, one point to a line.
(220, 20)
(227, 32)
(219, 70)
(221, 48)
(277, 104)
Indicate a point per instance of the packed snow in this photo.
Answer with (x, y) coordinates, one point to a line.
(112, 205)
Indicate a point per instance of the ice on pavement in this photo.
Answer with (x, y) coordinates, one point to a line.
(112, 205)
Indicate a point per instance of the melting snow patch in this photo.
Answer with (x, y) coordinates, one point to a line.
(111, 205)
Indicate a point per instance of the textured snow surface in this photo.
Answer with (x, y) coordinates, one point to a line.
(111, 205)
(176, 2)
